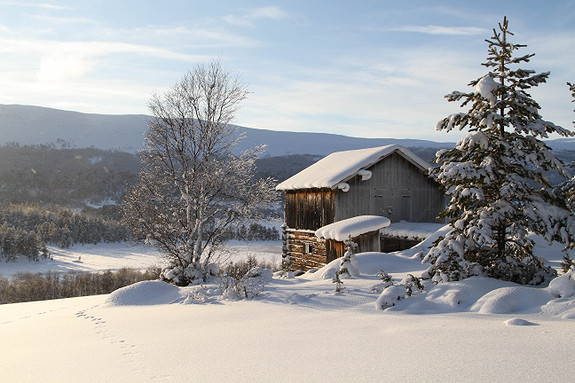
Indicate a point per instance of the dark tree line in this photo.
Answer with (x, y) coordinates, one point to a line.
(253, 232)
(25, 229)
(70, 177)
(26, 287)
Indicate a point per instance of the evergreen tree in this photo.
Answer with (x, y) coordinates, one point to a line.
(566, 193)
(495, 177)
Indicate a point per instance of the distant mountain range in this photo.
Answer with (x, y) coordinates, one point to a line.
(33, 125)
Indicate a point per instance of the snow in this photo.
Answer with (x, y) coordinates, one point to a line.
(563, 286)
(339, 167)
(406, 229)
(144, 293)
(519, 322)
(90, 258)
(298, 329)
(485, 88)
(352, 227)
(115, 256)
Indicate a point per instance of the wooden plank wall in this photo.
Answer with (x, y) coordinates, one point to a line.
(397, 189)
(309, 209)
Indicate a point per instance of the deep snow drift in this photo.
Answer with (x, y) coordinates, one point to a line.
(299, 329)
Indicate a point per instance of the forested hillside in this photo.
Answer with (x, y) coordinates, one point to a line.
(78, 178)
(45, 174)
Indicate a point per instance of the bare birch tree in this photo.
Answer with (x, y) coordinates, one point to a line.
(193, 187)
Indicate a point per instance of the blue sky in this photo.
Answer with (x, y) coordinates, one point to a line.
(360, 68)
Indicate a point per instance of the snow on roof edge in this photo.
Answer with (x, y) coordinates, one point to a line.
(355, 226)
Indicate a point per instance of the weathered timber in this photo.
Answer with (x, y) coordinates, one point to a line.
(309, 209)
(398, 190)
(298, 243)
(306, 251)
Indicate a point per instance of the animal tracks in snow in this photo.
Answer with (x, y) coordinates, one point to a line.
(101, 328)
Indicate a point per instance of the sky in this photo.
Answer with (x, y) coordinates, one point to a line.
(358, 68)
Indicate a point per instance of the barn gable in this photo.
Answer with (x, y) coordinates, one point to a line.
(337, 168)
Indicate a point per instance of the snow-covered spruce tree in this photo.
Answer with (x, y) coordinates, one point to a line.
(193, 187)
(566, 192)
(348, 263)
(495, 177)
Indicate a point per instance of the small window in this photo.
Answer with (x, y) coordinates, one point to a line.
(307, 248)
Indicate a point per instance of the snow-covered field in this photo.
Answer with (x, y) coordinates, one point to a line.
(297, 330)
(114, 256)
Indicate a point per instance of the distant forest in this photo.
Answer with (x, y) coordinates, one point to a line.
(79, 178)
(75, 178)
(56, 195)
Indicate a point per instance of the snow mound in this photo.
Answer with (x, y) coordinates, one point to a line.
(563, 286)
(371, 263)
(519, 322)
(515, 299)
(449, 297)
(296, 298)
(144, 293)
(562, 307)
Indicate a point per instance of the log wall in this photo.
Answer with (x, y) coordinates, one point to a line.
(297, 244)
(306, 251)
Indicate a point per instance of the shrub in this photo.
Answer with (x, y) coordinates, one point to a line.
(26, 287)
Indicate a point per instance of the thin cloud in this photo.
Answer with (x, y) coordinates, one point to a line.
(58, 20)
(248, 19)
(92, 48)
(441, 30)
(34, 5)
(66, 61)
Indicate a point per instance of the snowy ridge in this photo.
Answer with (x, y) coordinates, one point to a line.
(339, 167)
(34, 125)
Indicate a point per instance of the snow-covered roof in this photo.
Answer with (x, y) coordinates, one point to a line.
(337, 168)
(342, 230)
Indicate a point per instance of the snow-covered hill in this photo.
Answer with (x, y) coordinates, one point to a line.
(38, 125)
(24, 124)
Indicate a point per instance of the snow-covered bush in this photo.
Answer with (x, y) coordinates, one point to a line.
(412, 284)
(567, 263)
(180, 276)
(392, 294)
(248, 286)
(338, 282)
(348, 264)
(386, 281)
(563, 286)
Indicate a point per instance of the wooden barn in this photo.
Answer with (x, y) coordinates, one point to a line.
(388, 181)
